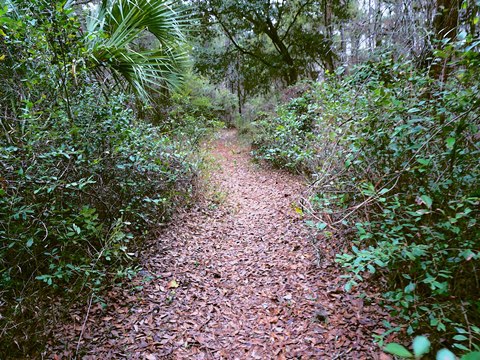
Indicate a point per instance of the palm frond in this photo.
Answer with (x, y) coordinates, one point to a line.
(112, 30)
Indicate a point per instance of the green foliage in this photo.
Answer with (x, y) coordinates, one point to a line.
(286, 141)
(288, 145)
(69, 192)
(197, 104)
(254, 109)
(113, 37)
(255, 44)
(421, 347)
(83, 181)
(394, 157)
(399, 350)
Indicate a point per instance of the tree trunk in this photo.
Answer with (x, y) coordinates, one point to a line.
(445, 21)
(329, 58)
(472, 13)
(445, 24)
(343, 46)
(291, 73)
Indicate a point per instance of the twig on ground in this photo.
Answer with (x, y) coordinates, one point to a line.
(341, 354)
(83, 325)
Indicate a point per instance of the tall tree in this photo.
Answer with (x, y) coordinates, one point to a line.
(445, 21)
(285, 39)
(445, 24)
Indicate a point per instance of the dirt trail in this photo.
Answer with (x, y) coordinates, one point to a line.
(233, 279)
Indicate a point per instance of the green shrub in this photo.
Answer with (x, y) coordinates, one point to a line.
(82, 180)
(285, 140)
(75, 195)
(421, 347)
(394, 158)
(197, 105)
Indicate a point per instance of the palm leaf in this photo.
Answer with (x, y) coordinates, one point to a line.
(112, 32)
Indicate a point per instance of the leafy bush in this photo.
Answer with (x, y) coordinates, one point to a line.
(394, 156)
(75, 194)
(421, 347)
(82, 182)
(196, 105)
(70, 185)
(286, 140)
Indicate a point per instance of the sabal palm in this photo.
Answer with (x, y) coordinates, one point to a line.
(112, 30)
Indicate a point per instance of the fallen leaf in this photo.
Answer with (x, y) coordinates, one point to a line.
(173, 284)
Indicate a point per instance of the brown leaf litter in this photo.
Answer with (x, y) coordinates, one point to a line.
(235, 280)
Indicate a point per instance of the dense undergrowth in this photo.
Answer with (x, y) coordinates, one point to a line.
(83, 180)
(394, 158)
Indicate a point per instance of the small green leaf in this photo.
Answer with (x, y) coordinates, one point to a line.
(450, 142)
(321, 225)
(410, 288)
(29, 242)
(76, 228)
(445, 354)
(413, 110)
(383, 191)
(424, 161)
(397, 349)
(421, 345)
(472, 356)
(460, 337)
(410, 330)
(427, 200)
(461, 347)
(462, 35)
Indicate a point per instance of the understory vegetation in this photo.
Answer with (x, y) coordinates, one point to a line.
(83, 178)
(393, 155)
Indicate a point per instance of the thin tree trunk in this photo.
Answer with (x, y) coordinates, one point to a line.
(445, 25)
(329, 59)
(445, 21)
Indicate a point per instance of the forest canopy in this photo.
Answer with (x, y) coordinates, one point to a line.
(260, 44)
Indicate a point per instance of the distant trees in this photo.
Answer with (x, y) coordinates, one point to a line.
(268, 41)
(251, 46)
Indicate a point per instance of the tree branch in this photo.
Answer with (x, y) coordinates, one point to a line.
(234, 42)
(300, 9)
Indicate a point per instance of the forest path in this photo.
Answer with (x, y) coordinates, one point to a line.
(236, 278)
